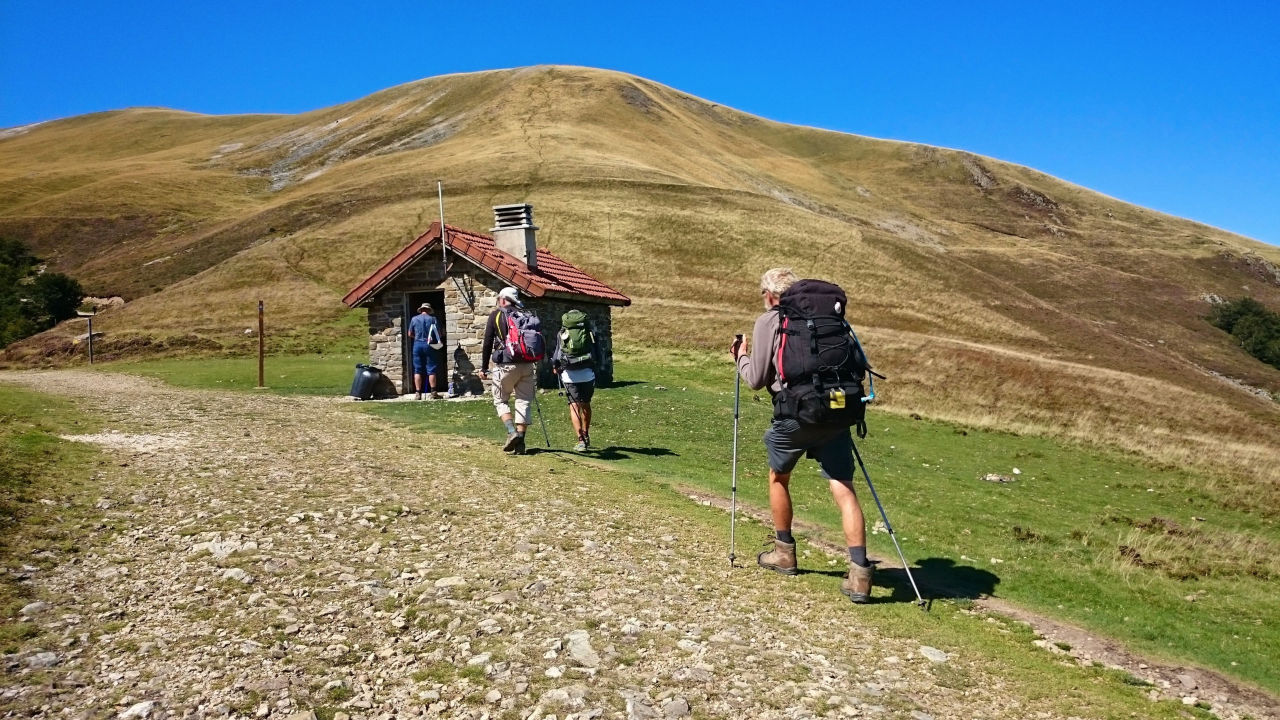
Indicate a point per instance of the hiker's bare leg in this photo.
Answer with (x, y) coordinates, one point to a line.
(575, 417)
(417, 382)
(780, 498)
(520, 427)
(586, 418)
(432, 379)
(855, 527)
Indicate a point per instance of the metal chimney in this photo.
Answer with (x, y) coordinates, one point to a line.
(514, 232)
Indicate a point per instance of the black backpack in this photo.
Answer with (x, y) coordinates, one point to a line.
(820, 363)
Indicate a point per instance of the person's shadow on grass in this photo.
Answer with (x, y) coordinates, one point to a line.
(938, 578)
(613, 452)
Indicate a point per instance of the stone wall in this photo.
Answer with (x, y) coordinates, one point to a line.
(469, 296)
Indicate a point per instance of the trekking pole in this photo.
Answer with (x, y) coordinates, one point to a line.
(733, 493)
(538, 405)
(905, 565)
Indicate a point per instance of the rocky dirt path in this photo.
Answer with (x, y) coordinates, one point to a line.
(263, 556)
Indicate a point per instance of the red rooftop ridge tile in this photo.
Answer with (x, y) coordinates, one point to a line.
(553, 278)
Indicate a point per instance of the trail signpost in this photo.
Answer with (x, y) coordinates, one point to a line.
(262, 347)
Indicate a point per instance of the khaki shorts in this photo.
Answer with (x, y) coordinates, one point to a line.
(518, 379)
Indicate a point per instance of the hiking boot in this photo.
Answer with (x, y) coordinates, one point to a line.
(513, 439)
(519, 447)
(417, 396)
(434, 396)
(781, 559)
(581, 446)
(586, 441)
(857, 584)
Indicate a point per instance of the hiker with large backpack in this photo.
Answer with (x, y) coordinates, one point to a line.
(804, 351)
(574, 361)
(513, 343)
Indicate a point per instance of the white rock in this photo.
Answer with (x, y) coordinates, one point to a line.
(917, 715)
(238, 575)
(452, 581)
(43, 660)
(688, 645)
(139, 710)
(933, 654)
(580, 649)
(493, 696)
(480, 659)
(676, 708)
(554, 672)
(35, 608)
(1190, 700)
(638, 710)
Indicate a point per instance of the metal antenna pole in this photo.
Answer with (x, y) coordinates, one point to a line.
(444, 244)
(733, 493)
(905, 565)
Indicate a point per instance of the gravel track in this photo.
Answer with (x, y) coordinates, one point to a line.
(260, 556)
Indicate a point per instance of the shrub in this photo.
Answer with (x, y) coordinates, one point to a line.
(1253, 325)
(31, 300)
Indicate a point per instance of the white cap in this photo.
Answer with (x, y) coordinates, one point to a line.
(511, 294)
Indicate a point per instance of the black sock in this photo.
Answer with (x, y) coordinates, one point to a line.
(858, 555)
(784, 536)
(519, 433)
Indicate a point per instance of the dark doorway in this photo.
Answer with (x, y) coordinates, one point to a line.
(435, 299)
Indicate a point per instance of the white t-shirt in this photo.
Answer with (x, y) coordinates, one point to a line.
(578, 375)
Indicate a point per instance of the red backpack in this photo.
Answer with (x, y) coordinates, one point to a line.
(522, 337)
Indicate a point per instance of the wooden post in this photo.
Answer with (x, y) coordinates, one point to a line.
(91, 338)
(262, 347)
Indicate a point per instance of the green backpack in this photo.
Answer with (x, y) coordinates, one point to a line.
(575, 338)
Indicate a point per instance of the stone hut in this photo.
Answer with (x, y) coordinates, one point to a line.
(460, 279)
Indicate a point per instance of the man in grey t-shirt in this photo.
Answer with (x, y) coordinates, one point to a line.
(788, 440)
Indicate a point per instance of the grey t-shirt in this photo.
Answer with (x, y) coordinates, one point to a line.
(757, 369)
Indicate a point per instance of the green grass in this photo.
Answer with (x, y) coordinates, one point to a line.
(317, 374)
(1058, 529)
(35, 465)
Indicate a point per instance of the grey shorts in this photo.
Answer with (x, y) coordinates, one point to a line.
(787, 441)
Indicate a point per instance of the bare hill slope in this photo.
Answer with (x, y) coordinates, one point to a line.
(991, 293)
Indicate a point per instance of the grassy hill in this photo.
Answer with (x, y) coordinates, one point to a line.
(991, 294)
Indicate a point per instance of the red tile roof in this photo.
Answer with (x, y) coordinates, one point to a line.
(552, 278)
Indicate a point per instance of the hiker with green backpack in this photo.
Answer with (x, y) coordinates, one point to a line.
(574, 361)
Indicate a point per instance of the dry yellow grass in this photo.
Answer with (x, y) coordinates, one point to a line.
(991, 293)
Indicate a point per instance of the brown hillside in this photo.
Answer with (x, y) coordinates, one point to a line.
(990, 293)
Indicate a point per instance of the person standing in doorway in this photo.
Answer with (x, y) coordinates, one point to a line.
(574, 362)
(513, 344)
(423, 331)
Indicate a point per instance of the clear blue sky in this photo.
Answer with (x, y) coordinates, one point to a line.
(1174, 105)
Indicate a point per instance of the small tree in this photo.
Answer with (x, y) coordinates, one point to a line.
(1253, 325)
(57, 295)
(31, 301)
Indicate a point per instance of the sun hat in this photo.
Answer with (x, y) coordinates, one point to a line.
(427, 307)
(510, 293)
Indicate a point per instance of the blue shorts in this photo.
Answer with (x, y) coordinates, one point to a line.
(424, 359)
